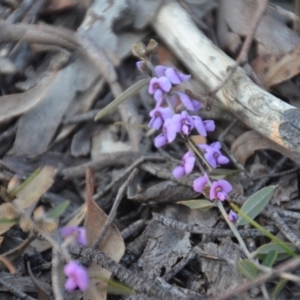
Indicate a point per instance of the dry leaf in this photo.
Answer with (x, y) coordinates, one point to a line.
(17, 104)
(245, 146)
(112, 245)
(274, 69)
(29, 194)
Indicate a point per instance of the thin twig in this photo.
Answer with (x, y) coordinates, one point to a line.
(133, 280)
(15, 291)
(55, 275)
(290, 265)
(126, 172)
(133, 229)
(215, 232)
(113, 211)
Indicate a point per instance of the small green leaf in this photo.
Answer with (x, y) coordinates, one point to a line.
(59, 210)
(263, 230)
(280, 285)
(264, 250)
(222, 173)
(255, 204)
(270, 258)
(248, 269)
(131, 91)
(7, 221)
(14, 192)
(198, 204)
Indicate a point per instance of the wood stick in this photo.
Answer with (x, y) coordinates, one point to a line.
(257, 108)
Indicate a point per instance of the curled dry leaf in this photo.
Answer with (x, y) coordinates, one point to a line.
(17, 104)
(112, 245)
(245, 146)
(274, 69)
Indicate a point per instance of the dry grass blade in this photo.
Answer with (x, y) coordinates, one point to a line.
(275, 69)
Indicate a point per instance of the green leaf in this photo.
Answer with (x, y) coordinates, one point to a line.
(222, 173)
(198, 204)
(59, 210)
(263, 230)
(7, 221)
(14, 192)
(248, 269)
(255, 204)
(282, 254)
(280, 285)
(270, 258)
(131, 91)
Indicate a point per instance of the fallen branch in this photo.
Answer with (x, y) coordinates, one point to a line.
(257, 108)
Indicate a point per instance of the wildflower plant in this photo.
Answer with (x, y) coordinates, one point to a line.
(166, 117)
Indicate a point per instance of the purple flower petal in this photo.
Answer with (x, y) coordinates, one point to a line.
(221, 196)
(222, 160)
(232, 216)
(199, 125)
(200, 183)
(170, 133)
(189, 165)
(225, 185)
(209, 125)
(139, 64)
(155, 123)
(210, 158)
(213, 192)
(164, 84)
(186, 101)
(177, 122)
(172, 75)
(78, 232)
(153, 84)
(160, 140)
(160, 70)
(179, 172)
(197, 105)
(184, 77)
(166, 113)
(159, 95)
(77, 276)
(216, 145)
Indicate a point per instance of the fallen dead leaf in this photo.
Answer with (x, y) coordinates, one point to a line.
(112, 245)
(246, 144)
(274, 69)
(17, 104)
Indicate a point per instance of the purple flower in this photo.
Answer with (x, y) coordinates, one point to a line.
(78, 232)
(187, 165)
(167, 136)
(213, 154)
(77, 276)
(158, 116)
(183, 123)
(232, 216)
(172, 74)
(190, 104)
(200, 126)
(219, 190)
(209, 125)
(139, 64)
(200, 183)
(158, 86)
